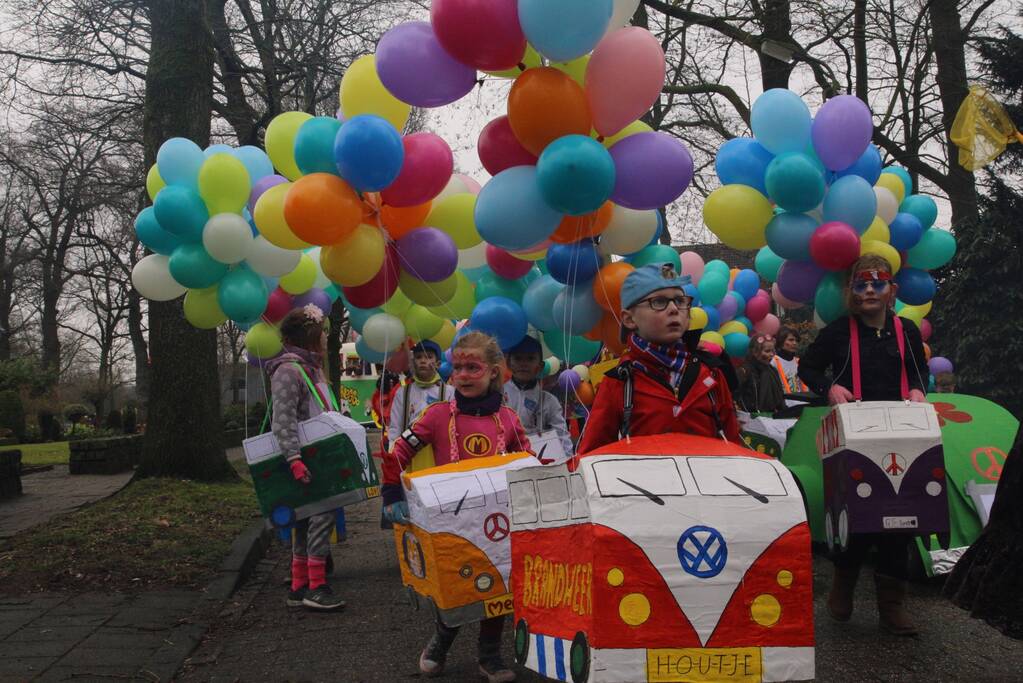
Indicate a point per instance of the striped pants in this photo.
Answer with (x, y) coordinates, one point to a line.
(312, 536)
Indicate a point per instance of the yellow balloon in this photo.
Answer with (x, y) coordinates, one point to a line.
(263, 340)
(202, 309)
(914, 313)
(355, 261)
(530, 59)
(733, 326)
(280, 142)
(893, 184)
(446, 336)
(154, 183)
(576, 69)
(455, 215)
(397, 305)
(878, 230)
(631, 129)
(302, 278)
(883, 249)
(531, 256)
(420, 323)
(363, 93)
(461, 303)
(269, 218)
(430, 294)
(224, 184)
(698, 318)
(713, 338)
(738, 215)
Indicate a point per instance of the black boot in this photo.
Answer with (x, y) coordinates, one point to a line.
(492, 667)
(431, 660)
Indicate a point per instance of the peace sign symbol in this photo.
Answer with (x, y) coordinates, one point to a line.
(496, 527)
(702, 551)
(988, 461)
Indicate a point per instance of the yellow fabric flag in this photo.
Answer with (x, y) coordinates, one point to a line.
(982, 129)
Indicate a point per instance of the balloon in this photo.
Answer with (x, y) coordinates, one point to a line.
(607, 285)
(575, 310)
(202, 310)
(652, 170)
(505, 265)
(484, 34)
(152, 279)
(657, 253)
(499, 149)
(224, 184)
(623, 13)
(798, 280)
(502, 319)
(878, 230)
(421, 323)
(887, 204)
(426, 171)
(370, 355)
(781, 121)
(768, 325)
(314, 296)
(321, 209)
(916, 286)
(491, 285)
(886, 251)
(367, 152)
(380, 287)
(712, 288)
(841, 131)
(530, 59)
(280, 142)
(400, 220)
(263, 341)
(574, 228)
(355, 261)
(743, 161)
(564, 30)
(510, 211)
(914, 313)
(632, 129)
(227, 237)
(893, 184)
(698, 318)
(538, 302)
(926, 330)
(178, 162)
(397, 362)
(270, 220)
(454, 215)
(242, 295)
(413, 66)
(794, 182)
(181, 212)
(746, 283)
(383, 332)
(574, 68)
(868, 166)
(278, 305)
(154, 183)
(851, 200)
(398, 304)
(444, 338)
(460, 305)
(758, 306)
(363, 93)
(429, 294)
(545, 104)
(789, 234)
(152, 234)
(767, 263)
(428, 254)
(834, 246)
(474, 258)
(569, 381)
(738, 215)
(939, 364)
(920, 206)
(261, 186)
(906, 231)
(268, 259)
(571, 350)
(624, 78)
(314, 144)
(194, 268)
(629, 231)
(256, 162)
(301, 279)
(829, 299)
(576, 175)
(729, 307)
(935, 249)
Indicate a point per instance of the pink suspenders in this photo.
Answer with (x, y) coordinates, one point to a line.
(854, 343)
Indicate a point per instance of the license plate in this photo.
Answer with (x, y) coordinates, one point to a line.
(900, 522)
(372, 491)
(668, 665)
(499, 606)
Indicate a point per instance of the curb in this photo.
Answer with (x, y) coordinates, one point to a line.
(247, 549)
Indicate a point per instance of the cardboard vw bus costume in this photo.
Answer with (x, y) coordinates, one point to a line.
(663, 558)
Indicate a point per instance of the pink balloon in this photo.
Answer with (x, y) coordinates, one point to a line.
(834, 245)
(692, 265)
(758, 307)
(781, 300)
(499, 149)
(427, 169)
(470, 183)
(484, 34)
(397, 361)
(711, 347)
(769, 324)
(926, 329)
(506, 265)
(277, 306)
(624, 78)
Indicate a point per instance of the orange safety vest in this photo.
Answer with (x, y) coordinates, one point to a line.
(800, 387)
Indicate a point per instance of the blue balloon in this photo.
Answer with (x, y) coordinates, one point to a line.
(574, 263)
(564, 30)
(868, 166)
(781, 121)
(906, 231)
(736, 344)
(368, 153)
(916, 286)
(242, 295)
(850, 200)
(694, 292)
(576, 311)
(444, 371)
(511, 212)
(919, 205)
(179, 161)
(743, 161)
(314, 145)
(502, 319)
(576, 174)
(538, 302)
(256, 162)
(217, 149)
(657, 233)
(788, 235)
(713, 318)
(794, 182)
(747, 283)
(907, 180)
(152, 234)
(367, 354)
(194, 268)
(181, 212)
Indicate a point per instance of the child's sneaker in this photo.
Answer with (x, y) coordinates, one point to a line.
(295, 598)
(431, 661)
(322, 599)
(494, 671)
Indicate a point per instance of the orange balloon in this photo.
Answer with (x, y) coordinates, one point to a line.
(400, 220)
(609, 331)
(607, 285)
(574, 228)
(544, 105)
(320, 208)
(584, 393)
(927, 352)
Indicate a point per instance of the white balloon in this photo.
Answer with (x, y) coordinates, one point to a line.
(473, 257)
(151, 277)
(383, 332)
(455, 186)
(270, 260)
(555, 364)
(887, 204)
(818, 321)
(628, 232)
(582, 371)
(623, 11)
(227, 237)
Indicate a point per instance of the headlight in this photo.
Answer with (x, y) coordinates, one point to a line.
(484, 582)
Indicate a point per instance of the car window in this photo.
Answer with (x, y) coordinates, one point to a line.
(459, 493)
(736, 476)
(553, 498)
(909, 419)
(499, 482)
(865, 420)
(523, 501)
(658, 476)
(580, 506)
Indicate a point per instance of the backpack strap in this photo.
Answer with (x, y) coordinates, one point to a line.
(406, 404)
(312, 387)
(625, 374)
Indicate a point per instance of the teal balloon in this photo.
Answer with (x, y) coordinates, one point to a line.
(935, 249)
(358, 316)
(242, 295)
(717, 265)
(829, 300)
(907, 180)
(794, 182)
(566, 29)
(182, 212)
(570, 349)
(788, 235)
(919, 205)
(256, 162)
(152, 234)
(712, 287)
(575, 309)
(538, 302)
(491, 285)
(657, 253)
(194, 268)
(533, 274)
(851, 200)
(576, 173)
(737, 344)
(367, 354)
(767, 264)
(314, 145)
(511, 212)
(781, 121)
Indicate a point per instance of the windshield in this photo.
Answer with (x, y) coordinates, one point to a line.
(460, 493)
(736, 476)
(648, 477)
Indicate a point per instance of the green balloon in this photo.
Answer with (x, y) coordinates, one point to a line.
(461, 304)
(935, 249)
(713, 287)
(829, 301)
(202, 309)
(421, 324)
(768, 263)
(397, 305)
(494, 285)
(657, 253)
(570, 350)
(717, 265)
(921, 206)
(194, 268)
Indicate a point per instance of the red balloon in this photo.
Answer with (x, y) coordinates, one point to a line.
(925, 329)
(485, 34)
(835, 245)
(499, 149)
(506, 265)
(426, 171)
(381, 288)
(758, 307)
(277, 306)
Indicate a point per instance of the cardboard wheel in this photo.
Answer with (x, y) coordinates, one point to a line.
(579, 658)
(829, 530)
(282, 515)
(843, 529)
(521, 642)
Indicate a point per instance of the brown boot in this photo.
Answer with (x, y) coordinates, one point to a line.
(891, 606)
(840, 599)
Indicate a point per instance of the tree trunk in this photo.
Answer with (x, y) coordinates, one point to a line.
(860, 48)
(139, 347)
(334, 365)
(50, 359)
(183, 435)
(777, 27)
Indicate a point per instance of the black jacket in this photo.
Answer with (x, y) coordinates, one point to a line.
(760, 389)
(879, 359)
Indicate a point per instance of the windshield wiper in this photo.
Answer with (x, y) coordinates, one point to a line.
(747, 490)
(461, 502)
(652, 496)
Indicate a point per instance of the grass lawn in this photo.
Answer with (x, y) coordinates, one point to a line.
(56, 453)
(156, 532)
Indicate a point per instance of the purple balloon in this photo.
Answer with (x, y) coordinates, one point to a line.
(651, 170)
(261, 186)
(428, 254)
(728, 307)
(569, 380)
(798, 280)
(315, 296)
(414, 67)
(841, 131)
(939, 364)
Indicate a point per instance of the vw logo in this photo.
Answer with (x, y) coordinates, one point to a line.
(702, 551)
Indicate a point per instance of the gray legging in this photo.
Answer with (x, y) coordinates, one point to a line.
(312, 536)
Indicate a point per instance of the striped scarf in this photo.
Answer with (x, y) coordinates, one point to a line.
(666, 360)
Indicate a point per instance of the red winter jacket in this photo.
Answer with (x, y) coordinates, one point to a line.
(657, 410)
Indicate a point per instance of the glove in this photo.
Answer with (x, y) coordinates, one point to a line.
(300, 472)
(839, 394)
(917, 396)
(396, 512)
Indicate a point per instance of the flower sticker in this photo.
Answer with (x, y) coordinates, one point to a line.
(947, 412)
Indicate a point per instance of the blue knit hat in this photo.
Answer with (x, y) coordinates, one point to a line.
(526, 346)
(428, 346)
(650, 278)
